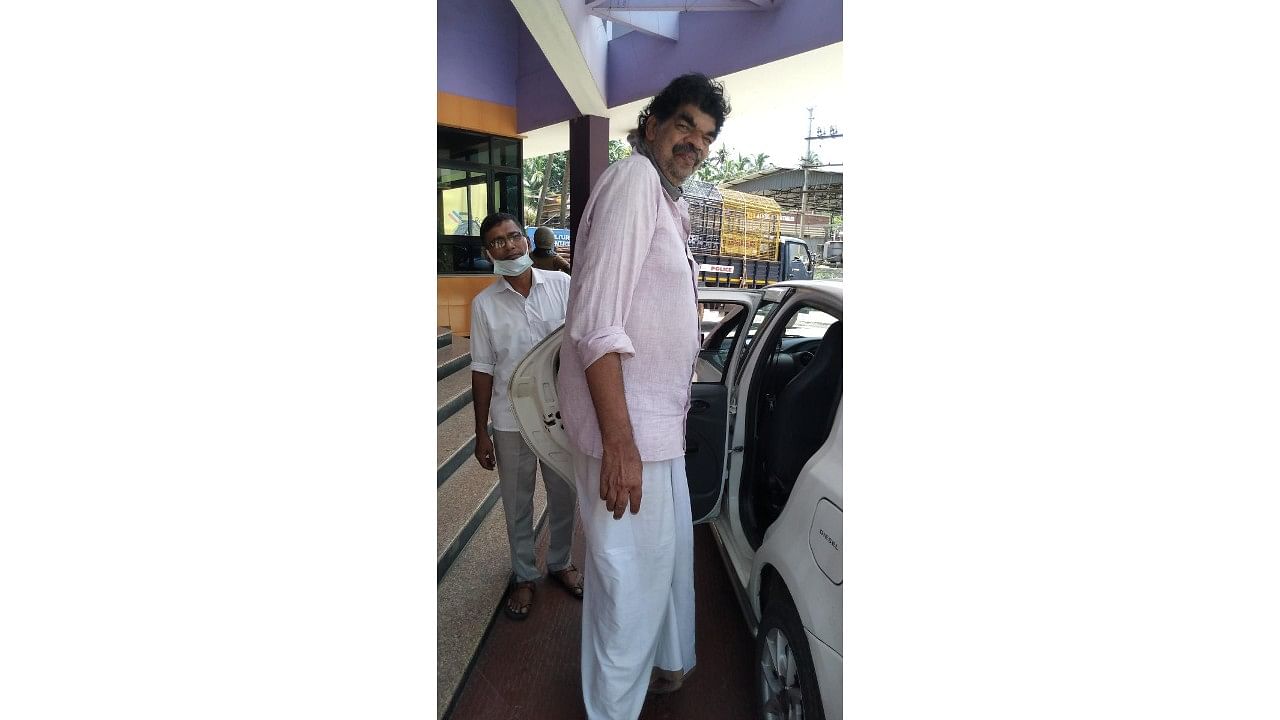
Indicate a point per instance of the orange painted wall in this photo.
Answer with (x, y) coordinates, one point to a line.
(479, 115)
(453, 300)
(455, 292)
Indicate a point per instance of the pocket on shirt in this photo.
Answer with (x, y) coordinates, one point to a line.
(546, 327)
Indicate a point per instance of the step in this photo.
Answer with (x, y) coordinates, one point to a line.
(467, 493)
(453, 357)
(457, 500)
(457, 347)
(453, 395)
(469, 595)
(443, 336)
(455, 443)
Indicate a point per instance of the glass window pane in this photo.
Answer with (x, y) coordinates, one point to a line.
(763, 311)
(459, 145)
(479, 201)
(453, 201)
(809, 322)
(506, 152)
(721, 323)
(461, 255)
(506, 192)
(463, 201)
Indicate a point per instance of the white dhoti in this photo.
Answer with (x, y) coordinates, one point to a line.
(637, 604)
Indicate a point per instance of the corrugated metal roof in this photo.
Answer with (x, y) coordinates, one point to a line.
(783, 179)
(825, 195)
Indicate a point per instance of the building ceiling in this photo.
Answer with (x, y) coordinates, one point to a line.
(754, 94)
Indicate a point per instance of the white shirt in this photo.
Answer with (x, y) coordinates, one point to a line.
(504, 328)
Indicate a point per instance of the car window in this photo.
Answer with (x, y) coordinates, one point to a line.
(809, 322)
(721, 324)
(763, 311)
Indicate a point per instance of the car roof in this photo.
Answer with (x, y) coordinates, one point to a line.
(829, 287)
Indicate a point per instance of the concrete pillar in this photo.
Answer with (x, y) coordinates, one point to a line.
(588, 158)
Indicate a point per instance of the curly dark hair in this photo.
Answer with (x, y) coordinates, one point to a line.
(694, 88)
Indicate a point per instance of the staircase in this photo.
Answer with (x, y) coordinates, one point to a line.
(473, 561)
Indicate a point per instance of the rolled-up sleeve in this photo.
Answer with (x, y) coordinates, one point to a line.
(481, 346)
(607, 269)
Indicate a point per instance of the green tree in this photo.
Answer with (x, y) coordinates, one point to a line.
(534, 179)
(724, 165)
(543, 176)
(618, 150)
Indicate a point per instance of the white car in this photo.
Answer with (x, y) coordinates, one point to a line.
(763, 457)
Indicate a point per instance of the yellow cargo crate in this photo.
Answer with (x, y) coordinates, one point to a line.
(750, 225)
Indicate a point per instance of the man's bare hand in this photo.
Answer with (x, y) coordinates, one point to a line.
(484, 450)
(621, 474)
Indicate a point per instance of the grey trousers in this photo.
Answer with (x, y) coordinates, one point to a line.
(516, 465)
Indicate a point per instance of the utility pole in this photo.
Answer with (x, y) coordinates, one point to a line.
(808, 160)
(804, 188)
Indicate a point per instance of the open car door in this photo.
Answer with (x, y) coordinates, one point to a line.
(727, 316)
(536, 404)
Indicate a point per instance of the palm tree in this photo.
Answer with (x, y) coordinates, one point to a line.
(543, 176)
(534, 179)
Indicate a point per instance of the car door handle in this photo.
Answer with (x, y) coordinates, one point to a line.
(698, 406)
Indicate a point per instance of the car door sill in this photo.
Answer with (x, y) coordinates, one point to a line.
(744, 602)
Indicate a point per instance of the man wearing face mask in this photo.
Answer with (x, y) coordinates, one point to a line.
(631, 339)
(510, 316)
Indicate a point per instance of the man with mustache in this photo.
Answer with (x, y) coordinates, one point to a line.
(625, 366)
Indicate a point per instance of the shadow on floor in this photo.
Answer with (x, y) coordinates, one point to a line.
(530, 670)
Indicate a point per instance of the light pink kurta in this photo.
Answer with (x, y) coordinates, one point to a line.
(633, 293)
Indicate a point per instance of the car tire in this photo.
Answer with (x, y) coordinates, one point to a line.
(786, 684)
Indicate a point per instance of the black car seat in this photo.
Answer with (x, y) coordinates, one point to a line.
(801, 416)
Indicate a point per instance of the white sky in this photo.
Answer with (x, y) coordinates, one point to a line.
(780, 133)
(769, 107)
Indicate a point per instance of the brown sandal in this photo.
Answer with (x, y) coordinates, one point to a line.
(520, 612)
(574, 589)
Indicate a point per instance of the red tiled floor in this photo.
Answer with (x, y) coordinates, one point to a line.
(530, 670)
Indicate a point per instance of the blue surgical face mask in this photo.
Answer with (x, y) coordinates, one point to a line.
(512, 268)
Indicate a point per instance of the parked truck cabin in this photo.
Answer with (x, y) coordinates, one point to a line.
(833, 253)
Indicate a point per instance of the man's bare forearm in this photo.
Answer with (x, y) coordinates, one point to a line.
(481, 394)
(608, 396)
(621, 473)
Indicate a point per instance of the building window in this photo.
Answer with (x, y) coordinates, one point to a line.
(476, 174)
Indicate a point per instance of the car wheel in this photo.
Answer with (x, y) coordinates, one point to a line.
(786, 684)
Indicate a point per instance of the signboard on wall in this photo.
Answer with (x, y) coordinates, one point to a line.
(562, 236)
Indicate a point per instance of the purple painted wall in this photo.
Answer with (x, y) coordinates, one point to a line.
(542, 99)
(477, 49)
(484, 51)
(719, 43)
